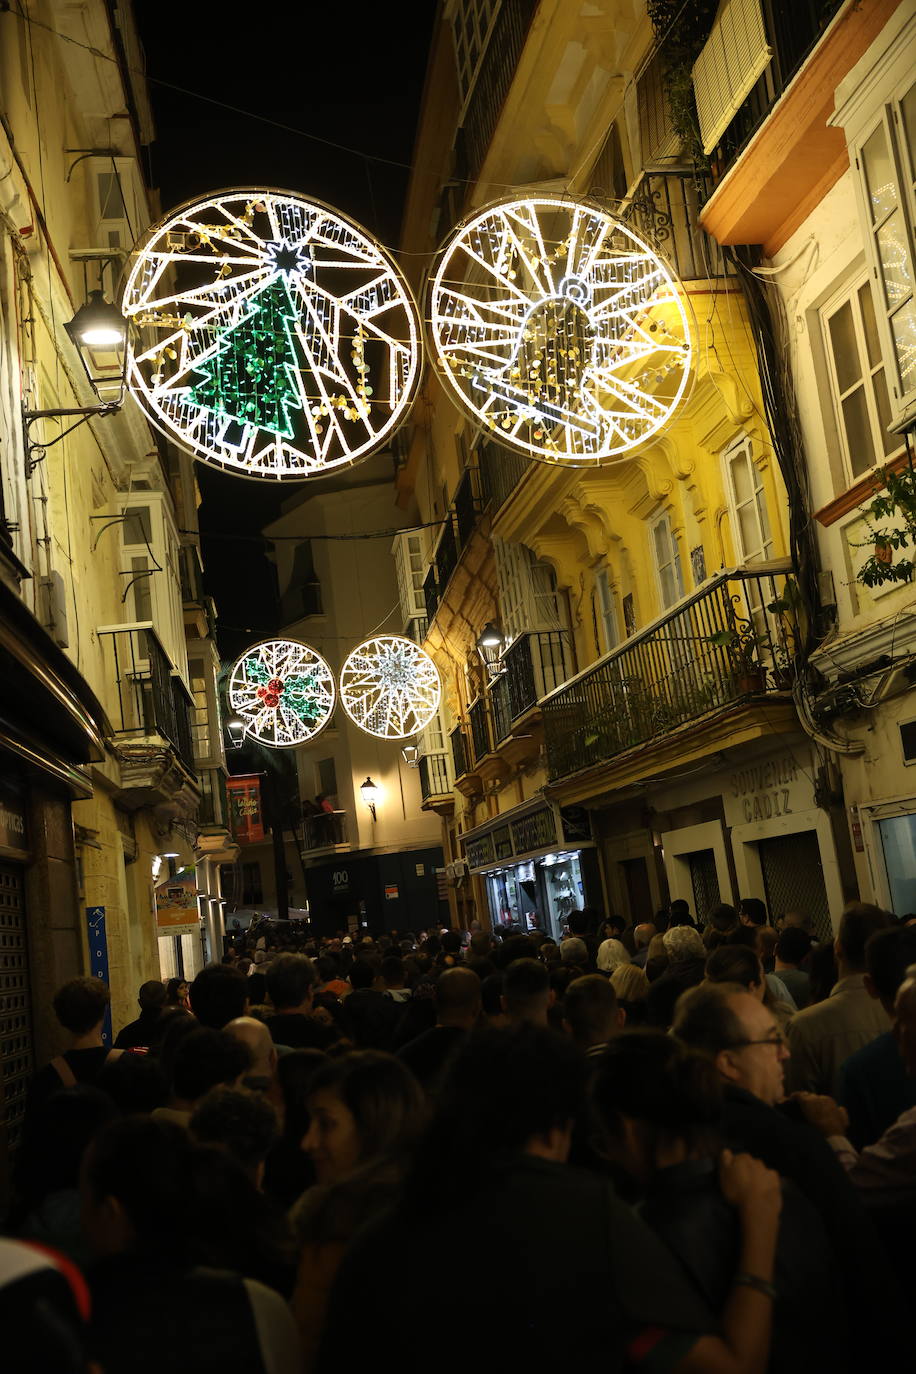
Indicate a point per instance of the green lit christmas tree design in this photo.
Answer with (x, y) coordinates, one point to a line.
(252, 376)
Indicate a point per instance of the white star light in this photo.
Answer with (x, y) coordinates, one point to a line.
(389, 687)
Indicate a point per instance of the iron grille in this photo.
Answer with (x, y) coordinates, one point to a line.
(793, 878)
(705, 881)
(15, 1002)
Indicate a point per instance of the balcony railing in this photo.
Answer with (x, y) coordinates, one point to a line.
(446, 554)
(792, 31)
(535, 664)
(480, 729)
(325, 830)
(431, 593)
(152, 700)
(466, 506)
(459, 751)
(734, 638)
(665, 208)
(434, 776)
(501, 472)
(500, 709)
(491, 87)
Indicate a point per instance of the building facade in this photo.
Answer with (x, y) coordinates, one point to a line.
(107, 681)
(646, 731)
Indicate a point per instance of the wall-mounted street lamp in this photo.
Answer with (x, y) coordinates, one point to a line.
(490, 646)
(411, 755)
(370, 795)
(235, 729)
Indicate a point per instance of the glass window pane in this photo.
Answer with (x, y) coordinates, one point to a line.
(858, 431)
(891, 442)
(749, 533)
(903, 328)
(879, 175)
(845, 347)
(908, 113)
(870, 328)
(894, 257)
(741, 478)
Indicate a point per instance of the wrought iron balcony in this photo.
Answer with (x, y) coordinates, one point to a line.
(152, 699)
(497, 70)
(327, 830)
(466, 505)
(665, 209)
(733, 639)
(501, 472)
(500, 709)
(434, 776)
(478, 715)
(446, 555)
(535, 664)
(459, 751)
(792, 32)
(431, 593)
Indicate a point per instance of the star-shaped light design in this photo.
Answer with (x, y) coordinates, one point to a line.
(389, 687)
(289, 257)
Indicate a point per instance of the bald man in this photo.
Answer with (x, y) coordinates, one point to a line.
(457, 1012)
(254, 1035)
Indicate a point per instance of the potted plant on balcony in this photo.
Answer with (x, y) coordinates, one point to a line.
(786, 607)
(895, 499)
(743, 649)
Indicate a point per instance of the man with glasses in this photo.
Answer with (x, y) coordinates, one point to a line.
(725, 1022)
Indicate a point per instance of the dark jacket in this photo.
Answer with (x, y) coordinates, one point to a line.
(664, 992)
(145, 1032)
(300, 1032)
(875, 1090)
(801, 1154)
(428, 1056)
(685, 1208)
(373, 1018)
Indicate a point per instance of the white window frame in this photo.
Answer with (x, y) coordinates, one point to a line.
(165, 584)
(606, 617)
(529, 598)
(870, 98)
(868, 372)
(757, 500)
(411, 566)
(662, 523)
(472, 23)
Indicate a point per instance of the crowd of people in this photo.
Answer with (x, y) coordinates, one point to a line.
(667, 1147)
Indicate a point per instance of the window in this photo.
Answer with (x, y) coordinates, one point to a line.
(252, 892)
(667, 562)
(151, 573)
(886, 164)
(747, 498)
(200, 712)
(326, 779)
(735, 54)
(657, 138)
(605, 612)
(858, 380)
(472, 23)
(528, 594)
(302, 597)
(410, 566)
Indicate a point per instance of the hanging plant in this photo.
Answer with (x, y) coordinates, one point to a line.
(680, 30)
(895, 500)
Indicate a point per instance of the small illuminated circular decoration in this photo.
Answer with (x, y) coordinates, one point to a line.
(559, 329)
(389, 687)
(271, 336)
(283, 691)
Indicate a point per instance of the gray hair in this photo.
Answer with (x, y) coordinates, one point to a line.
(683, 942)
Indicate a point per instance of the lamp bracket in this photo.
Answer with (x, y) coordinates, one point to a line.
(35, 452)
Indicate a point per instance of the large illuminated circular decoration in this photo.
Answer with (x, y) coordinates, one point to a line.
(389, 687)
(559, 329)
(271, 335)
(283, 691)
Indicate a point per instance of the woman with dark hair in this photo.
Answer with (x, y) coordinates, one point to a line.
(176, 994)
(366, 1111)
(170, 1225)
(740, 964)
(658, 1105)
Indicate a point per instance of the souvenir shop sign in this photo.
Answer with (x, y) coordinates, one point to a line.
(246, 817)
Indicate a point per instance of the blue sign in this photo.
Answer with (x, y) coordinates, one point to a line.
(98, 957)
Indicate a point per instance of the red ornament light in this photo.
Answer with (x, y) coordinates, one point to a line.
(275, 685)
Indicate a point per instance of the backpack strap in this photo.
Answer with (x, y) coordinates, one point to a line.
(63, 1071)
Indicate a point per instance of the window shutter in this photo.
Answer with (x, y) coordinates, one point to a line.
(734, 56)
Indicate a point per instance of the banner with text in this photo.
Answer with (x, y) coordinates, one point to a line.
(246, 816)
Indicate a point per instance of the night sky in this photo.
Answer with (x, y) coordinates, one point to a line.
(352, 74)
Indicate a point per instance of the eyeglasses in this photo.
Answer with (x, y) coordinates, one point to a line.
(777, 1040)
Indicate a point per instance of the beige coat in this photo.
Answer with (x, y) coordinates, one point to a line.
(822, 1037)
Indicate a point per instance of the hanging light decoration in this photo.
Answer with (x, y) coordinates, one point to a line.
(283, 691)
(389, 687)
(291, 346)
(558, 328)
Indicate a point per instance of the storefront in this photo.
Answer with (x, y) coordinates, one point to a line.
(537, 864)
(368, 893)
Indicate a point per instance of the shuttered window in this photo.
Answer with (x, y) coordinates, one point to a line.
(734, 56)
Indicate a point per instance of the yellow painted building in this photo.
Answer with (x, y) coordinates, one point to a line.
(110, 754)
(638, 738)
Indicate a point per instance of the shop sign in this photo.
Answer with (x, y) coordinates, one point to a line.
(340, 881)
(537, 830)
(480, 852)
(176, 904)
(98, 957)
(576, 823)
(502, 842)
(13, 830)
(391, 892)
(766, 790)
(246, 816)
